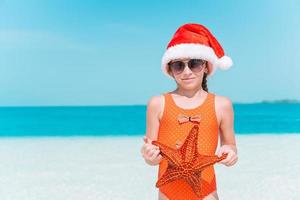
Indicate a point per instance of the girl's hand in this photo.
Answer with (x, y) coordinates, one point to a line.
(150, 152)
(231, 158)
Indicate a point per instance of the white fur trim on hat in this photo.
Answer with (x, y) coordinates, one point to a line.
(224, 63)
(193, 50)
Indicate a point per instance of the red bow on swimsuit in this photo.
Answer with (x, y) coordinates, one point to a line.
(183, 118)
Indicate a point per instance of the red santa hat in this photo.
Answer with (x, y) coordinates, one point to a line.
(196, 41)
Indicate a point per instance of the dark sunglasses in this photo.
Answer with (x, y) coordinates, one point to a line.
(195, 65)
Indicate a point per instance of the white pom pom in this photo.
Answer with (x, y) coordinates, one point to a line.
(224, 63)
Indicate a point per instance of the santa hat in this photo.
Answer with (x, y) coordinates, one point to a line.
(196, 41)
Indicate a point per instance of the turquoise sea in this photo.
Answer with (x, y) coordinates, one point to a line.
(272, 118)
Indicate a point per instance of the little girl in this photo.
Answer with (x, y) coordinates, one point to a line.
(191, 56)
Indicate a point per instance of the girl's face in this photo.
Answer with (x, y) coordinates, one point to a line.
(188, 73)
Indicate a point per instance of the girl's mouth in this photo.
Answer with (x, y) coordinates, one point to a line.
(187, 79)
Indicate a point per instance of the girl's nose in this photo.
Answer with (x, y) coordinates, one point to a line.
(186, 70)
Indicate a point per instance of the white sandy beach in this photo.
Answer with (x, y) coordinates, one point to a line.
(94, 168)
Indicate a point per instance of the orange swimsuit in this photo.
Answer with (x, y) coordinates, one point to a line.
(170, 131)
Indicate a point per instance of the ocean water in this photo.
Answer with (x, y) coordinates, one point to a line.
(273, 118)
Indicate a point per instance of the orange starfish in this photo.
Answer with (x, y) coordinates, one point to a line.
(186, 163)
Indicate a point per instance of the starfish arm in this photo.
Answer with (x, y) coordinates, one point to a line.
(194, 182)
(189, 148)
(172, 155)
(203, 161)
(169, 176)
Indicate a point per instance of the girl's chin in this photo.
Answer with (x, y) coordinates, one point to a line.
(189, 83)
(189, 86)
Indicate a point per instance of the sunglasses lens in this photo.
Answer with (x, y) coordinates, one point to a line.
(177, 67)
(196, 65)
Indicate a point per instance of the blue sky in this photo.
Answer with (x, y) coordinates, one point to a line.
(106, 53)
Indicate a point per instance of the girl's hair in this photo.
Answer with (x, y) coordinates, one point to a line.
(204, 82)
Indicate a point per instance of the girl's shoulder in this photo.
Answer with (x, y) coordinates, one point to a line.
(223, 106)
(156, 104)
(222, 102)
(156, 101)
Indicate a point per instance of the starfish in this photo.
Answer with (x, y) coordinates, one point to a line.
(186, 162)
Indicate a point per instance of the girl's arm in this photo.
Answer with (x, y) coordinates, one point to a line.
(227, 137)
(149, 151)
(152, 117)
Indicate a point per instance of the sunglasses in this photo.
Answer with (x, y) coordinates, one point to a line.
(195, 65)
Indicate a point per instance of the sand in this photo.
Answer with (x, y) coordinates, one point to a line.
(94, 168)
